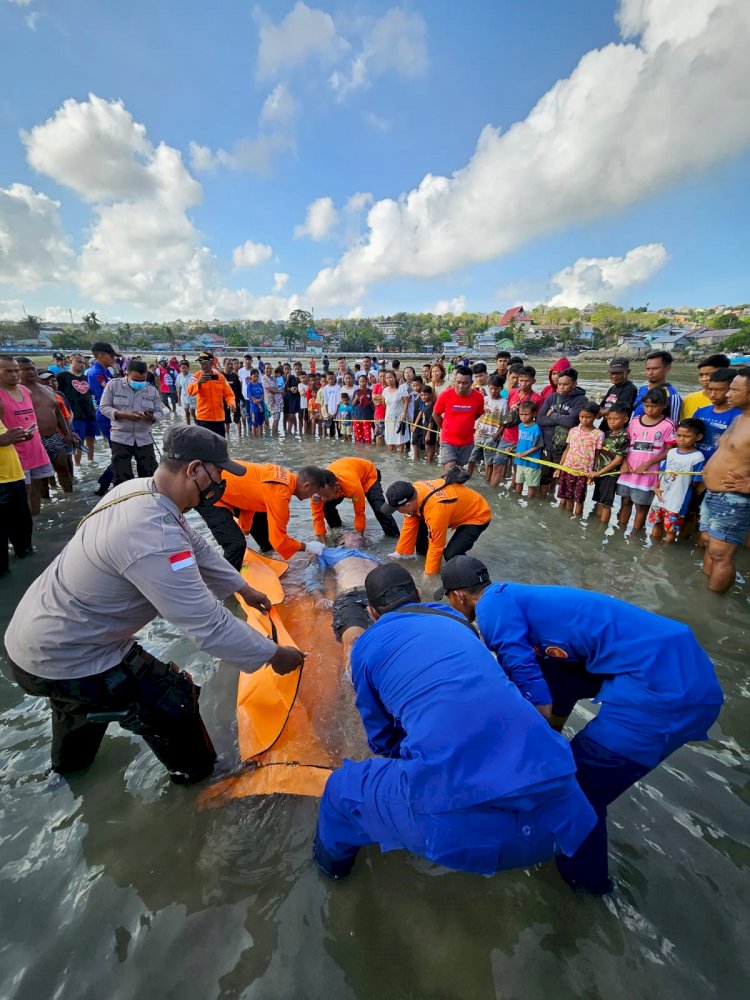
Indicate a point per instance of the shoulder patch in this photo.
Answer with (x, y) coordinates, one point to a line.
(182, 560)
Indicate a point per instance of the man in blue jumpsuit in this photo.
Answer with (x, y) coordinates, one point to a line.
(657, 687)
(469, 774)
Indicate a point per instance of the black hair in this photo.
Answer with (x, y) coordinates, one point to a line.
(722, 375)
(345, 395)
(318, 478)
(743, 372)
(529, 371)
(714, 361)
(462, 370)
(496, 380)
(590, 407)
(528, 404)
(102, 347)
(418, 378)
(502, 356)
(456, 474)
(570, 372)
(172, 464)
(138, 366)
(516, 359)
(665, 356)
(658, 396)
(479, 368)
(23, 361)
(395, 363)
(516, 368)
(693, 424)
(620, 408)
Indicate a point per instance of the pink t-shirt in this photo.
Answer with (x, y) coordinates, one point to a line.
(646, 441)
(20, 413)
(582, 448)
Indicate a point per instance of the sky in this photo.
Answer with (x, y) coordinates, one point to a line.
(238, 160)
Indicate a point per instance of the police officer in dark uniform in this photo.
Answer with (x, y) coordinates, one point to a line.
(135, 557)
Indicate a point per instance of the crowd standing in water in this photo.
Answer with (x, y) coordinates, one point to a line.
(483, 803)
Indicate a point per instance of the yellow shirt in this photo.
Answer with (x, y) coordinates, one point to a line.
(693, 402)
(10, 463)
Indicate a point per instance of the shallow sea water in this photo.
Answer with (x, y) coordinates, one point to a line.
(116, 885)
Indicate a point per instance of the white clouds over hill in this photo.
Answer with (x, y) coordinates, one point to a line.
(33, 247)
(606, 279)
(630, 119)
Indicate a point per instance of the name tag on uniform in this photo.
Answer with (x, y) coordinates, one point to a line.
(181, 560)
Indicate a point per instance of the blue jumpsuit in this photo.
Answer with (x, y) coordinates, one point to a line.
(657, 687)
(470, 776)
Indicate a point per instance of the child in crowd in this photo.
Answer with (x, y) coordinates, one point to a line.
(424, 436)
(674, 488)
(611, 457)
(529, 446)
(313, 403)
(719, 414)
(488, 431)
(363, 412)
(255, 407)
(379, 417)
(580, 456)
(650, 437)
(522, 393)
(304, 405)
(344, 417)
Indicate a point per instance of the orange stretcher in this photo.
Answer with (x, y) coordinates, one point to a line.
(279, 717)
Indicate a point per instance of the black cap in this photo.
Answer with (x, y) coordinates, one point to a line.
(197, 444)
(206, 356)
(619, 365)
(389, 586)
(58, 354)
(397, 495)
(462, 573)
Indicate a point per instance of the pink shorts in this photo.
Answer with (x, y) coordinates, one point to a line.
(660, 515)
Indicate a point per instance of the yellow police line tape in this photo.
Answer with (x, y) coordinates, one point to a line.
(504, 451)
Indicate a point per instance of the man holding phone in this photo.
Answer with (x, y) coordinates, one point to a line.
(133, 406)
(213, 393)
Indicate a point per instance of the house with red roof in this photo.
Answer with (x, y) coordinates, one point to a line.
(517, 313)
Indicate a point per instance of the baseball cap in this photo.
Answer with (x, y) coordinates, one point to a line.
(206, 356)
(462, 573)
(619, 365)
(198, 444)
(389, 586)
(397, 495)
(42, 373)
(58, 355)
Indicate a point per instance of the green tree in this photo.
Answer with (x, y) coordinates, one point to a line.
(91, 323)
(299, 321)
(236, 339)
(739, 341)
(727, 321)
(32, 326)
(65, 341)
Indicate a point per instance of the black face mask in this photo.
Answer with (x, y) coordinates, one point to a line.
(211, 494)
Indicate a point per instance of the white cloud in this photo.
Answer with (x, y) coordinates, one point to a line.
(56, 314)
(394, 43)
(11, 309)
(456, 306)
(617, 130)
(607, 279)
(305, 33)
(142, 248)
(279, 281)
(250, 254)
(33, 246)
(255, 156)
(359, 201)
(279, 106)
(377, 122)
(320, 219)
(355, 313)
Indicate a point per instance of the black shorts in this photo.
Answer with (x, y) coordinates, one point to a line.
(604, 490)
(291, 405)
(350, 611)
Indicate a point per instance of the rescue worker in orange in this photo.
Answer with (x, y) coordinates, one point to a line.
(257, 503)
(356, 480)
(432, 506)
(212, 393)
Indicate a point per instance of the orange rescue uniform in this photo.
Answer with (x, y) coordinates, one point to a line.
(211, 397)
(355, 476)
(263, 488)
(448, 507)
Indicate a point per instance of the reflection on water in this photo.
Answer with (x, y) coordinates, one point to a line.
(114, 884)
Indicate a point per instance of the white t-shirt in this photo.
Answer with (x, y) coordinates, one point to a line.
(676, 489)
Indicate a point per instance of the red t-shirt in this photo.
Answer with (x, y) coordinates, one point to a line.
(459, 413)
(515, 398)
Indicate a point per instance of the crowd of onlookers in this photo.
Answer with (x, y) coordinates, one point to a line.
(646, 446)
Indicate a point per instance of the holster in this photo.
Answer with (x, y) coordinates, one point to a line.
(163, 690)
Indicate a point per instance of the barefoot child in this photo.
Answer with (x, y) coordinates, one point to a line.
(488, 431)
(580, 456)
(530, 444)
(650, 436)
(674, 488)
(611, 457)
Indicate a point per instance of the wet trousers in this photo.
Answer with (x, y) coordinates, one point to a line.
(462, 540)
(122, 461)
(15, 522)
(147, 697)
(376, 499)
(229, 534)
(360, 806)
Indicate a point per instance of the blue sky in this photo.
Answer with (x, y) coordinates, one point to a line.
(184, 159)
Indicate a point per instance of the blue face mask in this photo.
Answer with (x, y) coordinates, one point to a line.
(137, 385)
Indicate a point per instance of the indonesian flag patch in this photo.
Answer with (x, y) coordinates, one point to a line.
(181, 560)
